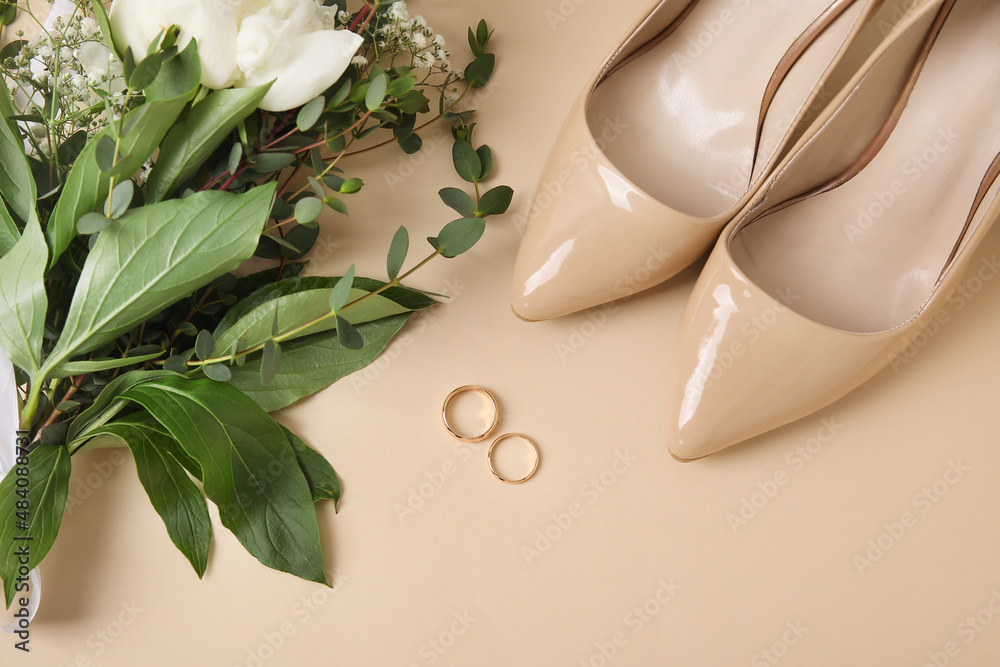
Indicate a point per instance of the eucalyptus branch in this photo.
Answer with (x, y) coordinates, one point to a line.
(292, 333)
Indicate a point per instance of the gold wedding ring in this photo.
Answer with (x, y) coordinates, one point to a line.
(489, 457)
(479, 390)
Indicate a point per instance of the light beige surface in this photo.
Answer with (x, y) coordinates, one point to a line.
(453, 583)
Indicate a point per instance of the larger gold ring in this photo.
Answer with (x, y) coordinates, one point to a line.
(489, 457)
(479, 390)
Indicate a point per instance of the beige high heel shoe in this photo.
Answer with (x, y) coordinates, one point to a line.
(803, 301)
(675, 133)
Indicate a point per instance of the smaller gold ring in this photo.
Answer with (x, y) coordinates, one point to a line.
(489, 458)
(478, 390)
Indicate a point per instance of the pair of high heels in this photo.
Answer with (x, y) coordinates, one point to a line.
(852, 175)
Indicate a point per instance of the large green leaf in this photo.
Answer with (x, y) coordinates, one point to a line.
(311, 364)
(322, 478)
(47, 489)
(298, 301)
(248, 469)
(87, 186)
(22, 298)
(17, 185)
(154, 255)
(174, 496)
(191, 142)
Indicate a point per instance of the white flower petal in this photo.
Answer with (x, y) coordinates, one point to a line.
(136, 23)
(305, 69)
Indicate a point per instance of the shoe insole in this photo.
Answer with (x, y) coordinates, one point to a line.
(867, 256)
(686, 110)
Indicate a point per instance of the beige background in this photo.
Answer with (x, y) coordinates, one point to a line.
(452, 583)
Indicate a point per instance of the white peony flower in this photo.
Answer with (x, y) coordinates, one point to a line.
(247, 42)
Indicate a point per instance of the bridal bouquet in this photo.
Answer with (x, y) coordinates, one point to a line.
(145, 153)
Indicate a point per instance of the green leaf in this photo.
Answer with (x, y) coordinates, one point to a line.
(176, 363)
(23, 301)
(299, 301)
(341, 292)
(154, 255)
(474, 44)
(270, 362)
(411, 143)
(376, 91)
(309, 114)
(203, 344)
(397, 253)
(402, 85)
(308, 209)
(495, 201)
(459, 236)
(486, 159)
(235, 157)
(9, 233)
(413, 102)
(480, 70)
(482, 33)
(48, 488)
(266, 163)
(249, 469)
(320, 475)
(217, 372)
(145, 72)
(311, 364)
(351, 185)
(87, 185)
(108, 404)
(17, 185)
(173, 494)
(102, 20)
(403, 299)
(71, 368)
(348, 335)
(92, 223)
(467, 162)
(118, 200)
(188, 145)
(106, 154)
(459, 201)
